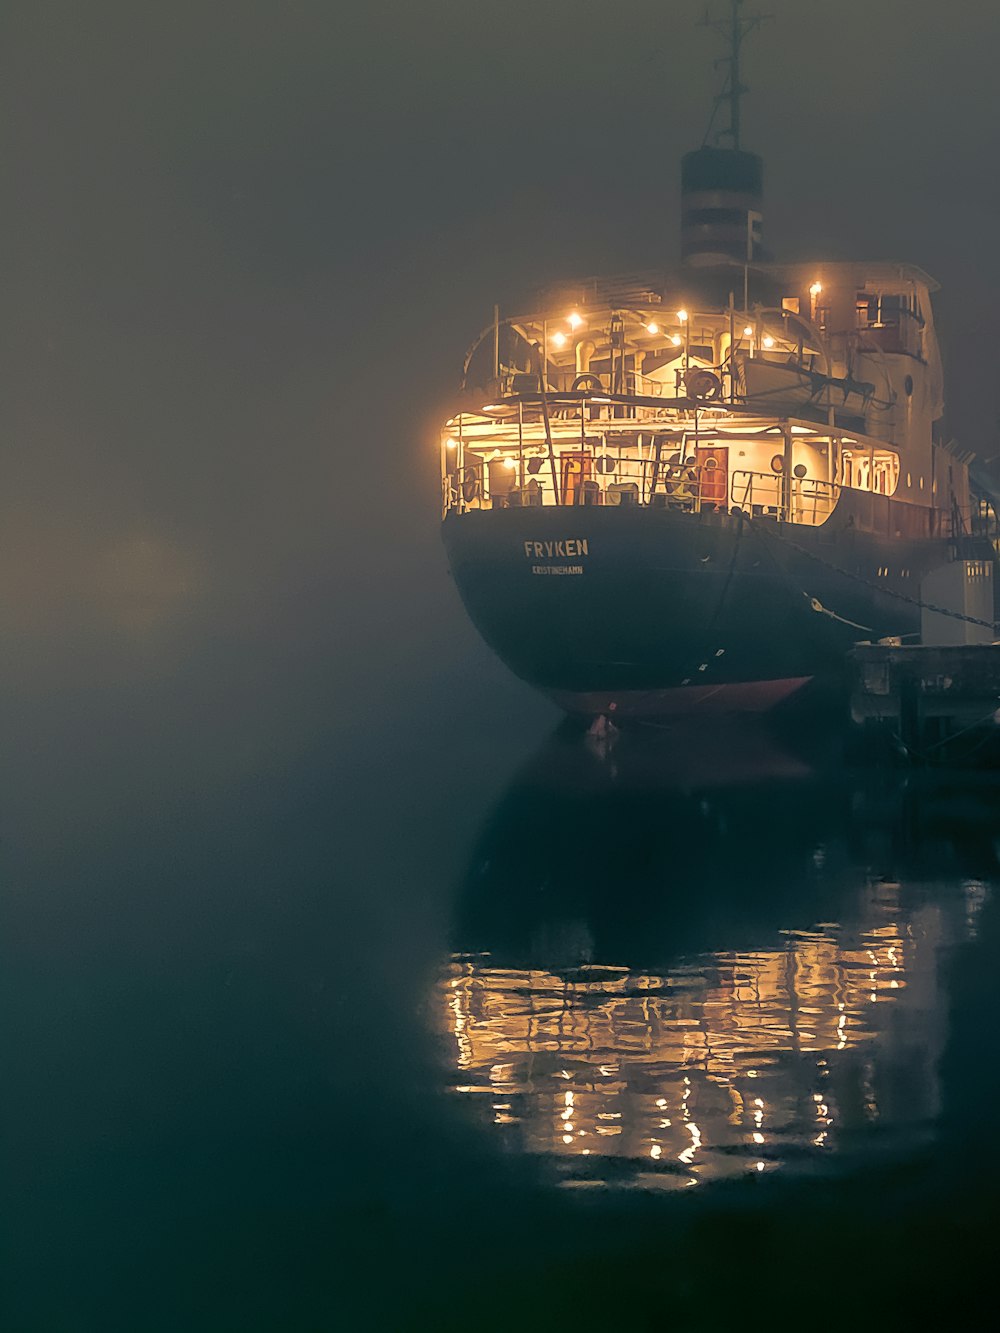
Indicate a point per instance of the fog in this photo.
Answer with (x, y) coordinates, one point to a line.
(244, 248)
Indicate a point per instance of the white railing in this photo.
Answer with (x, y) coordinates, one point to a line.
(601, 480)
(645, 482)
(794, 499)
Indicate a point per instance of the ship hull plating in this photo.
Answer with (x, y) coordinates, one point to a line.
(641, 611)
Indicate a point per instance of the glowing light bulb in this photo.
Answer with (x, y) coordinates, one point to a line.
(574, 320)
(815, 289)
(652, 327)
(748, 332)
(558, 340)
(682, 316)
(767, 340)
(450, 443)
(676, 340)
(509, 464)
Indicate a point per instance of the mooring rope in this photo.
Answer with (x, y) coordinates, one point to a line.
(859, 578)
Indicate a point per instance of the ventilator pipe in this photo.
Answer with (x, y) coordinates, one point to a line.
(585, 349)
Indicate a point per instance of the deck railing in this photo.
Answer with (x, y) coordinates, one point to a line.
(798, 499)
(649, 482)
(693, 489)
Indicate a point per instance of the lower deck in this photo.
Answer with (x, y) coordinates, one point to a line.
(575, 450)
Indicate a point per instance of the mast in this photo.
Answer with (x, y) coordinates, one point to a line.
(721, 183)
(736, 28)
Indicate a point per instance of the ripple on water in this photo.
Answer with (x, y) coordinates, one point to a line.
(810, 1056)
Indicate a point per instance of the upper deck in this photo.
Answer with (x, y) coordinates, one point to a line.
(616, 394)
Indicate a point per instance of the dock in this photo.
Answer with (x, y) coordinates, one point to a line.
(930, 703)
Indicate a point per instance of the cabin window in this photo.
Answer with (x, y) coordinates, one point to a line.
(889, 308)
(877, 309)
(867, 308)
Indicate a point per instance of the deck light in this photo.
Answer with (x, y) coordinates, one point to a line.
(574, 320)
(815, 289)
(676, 340)
(450, 443)
(509, 464)
(748, 332)
(767, 340)
(559, 340)
(682, 316)
(652, 327)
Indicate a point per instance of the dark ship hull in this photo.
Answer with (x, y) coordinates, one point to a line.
(644, 611)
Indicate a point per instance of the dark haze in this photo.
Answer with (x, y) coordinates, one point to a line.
(244, 248)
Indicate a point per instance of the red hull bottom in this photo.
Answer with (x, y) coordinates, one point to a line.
(755, 696)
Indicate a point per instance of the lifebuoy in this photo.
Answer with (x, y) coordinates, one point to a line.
(702, 384)
(587, 381)
(679, 483)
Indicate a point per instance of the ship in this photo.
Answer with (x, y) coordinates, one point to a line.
(698, 488)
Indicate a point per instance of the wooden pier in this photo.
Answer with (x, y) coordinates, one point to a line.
(934, 704)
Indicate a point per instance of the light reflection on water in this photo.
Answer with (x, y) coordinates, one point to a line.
(814, 1049)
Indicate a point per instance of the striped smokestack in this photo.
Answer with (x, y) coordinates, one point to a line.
(721, 201)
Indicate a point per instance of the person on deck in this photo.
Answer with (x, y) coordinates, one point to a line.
(682, 485)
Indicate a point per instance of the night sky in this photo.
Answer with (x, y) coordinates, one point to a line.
(244, 249)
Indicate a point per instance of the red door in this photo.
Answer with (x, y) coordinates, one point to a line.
(713, 475)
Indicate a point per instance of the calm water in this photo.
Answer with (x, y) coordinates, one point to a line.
(670, 974)
(439, 1026)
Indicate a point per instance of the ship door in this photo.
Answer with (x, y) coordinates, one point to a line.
(713, 475)
(576, 469)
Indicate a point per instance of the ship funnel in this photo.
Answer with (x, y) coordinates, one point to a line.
(721, 200)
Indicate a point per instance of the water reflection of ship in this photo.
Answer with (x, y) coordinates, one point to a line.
(727, 969)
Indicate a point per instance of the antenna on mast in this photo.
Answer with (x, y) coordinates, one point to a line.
(736, 28)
